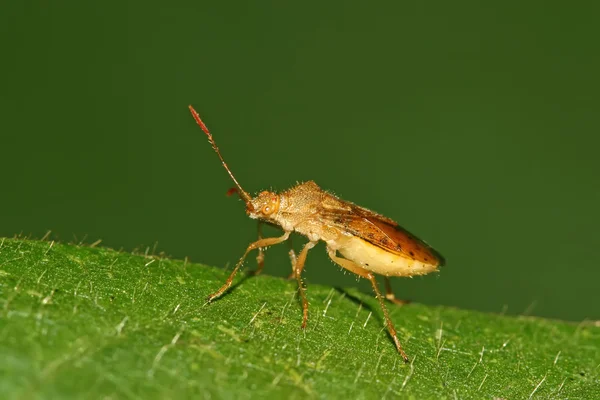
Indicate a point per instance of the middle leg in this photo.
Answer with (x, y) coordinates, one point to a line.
(298, 267)
(389, 293)
(293, 259)
(260, 258)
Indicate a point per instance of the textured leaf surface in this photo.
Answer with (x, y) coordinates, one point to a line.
(81, 322)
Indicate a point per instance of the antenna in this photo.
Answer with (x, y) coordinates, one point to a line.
(243, 194)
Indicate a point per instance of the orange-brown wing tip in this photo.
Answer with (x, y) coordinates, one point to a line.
(438, 259)
(427, 255)
(406, 243)
(441, 260)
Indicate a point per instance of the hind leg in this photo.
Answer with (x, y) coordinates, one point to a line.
(354, 268)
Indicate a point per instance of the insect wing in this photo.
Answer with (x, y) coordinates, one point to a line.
(406, 243)
(382, 232)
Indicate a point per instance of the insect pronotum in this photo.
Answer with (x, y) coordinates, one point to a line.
(369, 243)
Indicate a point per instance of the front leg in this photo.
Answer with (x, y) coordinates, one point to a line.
(260, 258)
(256, 245)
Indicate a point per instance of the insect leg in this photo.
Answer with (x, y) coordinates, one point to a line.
(293, 259)
(260, 258)
(298, 267)
(352, 267)
(256, 245)
(389, 294)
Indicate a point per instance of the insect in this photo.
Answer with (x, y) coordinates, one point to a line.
(357, 239)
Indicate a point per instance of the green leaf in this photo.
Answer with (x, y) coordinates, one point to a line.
(82, 322)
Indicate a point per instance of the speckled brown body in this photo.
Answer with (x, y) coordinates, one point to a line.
(370, 243)
(344, 227)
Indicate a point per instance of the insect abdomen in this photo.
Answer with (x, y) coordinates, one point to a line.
(380, 261)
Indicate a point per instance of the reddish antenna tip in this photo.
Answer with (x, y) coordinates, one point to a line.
(243, 194)
(198, 120)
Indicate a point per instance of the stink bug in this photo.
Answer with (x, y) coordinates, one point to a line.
(369, 243)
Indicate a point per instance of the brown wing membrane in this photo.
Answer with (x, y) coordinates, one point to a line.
(382, 232)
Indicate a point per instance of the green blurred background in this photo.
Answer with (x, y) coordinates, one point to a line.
(474, 125)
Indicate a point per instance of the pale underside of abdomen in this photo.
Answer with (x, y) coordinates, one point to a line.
(382, 262)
